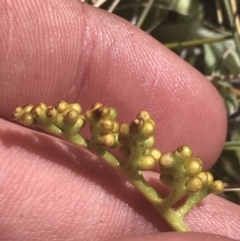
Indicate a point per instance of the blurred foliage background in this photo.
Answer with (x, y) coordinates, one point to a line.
(210, 43)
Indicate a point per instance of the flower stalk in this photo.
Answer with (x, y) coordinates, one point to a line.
(180, 170)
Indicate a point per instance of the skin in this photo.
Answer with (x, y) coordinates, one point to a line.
(49, 190)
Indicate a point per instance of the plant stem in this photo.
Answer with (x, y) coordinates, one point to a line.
(232, 24)
(191, 202)
(232, 145)
(144, 13)
(174, 219)
(197, 42)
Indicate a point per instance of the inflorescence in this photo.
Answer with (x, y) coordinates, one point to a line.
(180, 170)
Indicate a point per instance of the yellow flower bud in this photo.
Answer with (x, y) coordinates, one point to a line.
(26, 119)
(148, 130)
(136, 125)
(184, 150)
(43, 106)
(71, 117)
(193, 166)
(124, 130)
(62, 106)
(106, 140)
(27, 108)
(51, 113)
(18, 111)
(76, 107)
(194, 184)
(115, 127)
(95, 106)
(144, 115)
(38, 113)
(156, 154)
(216, 187)
(101, 112)
(166, 161)
(206, 178)
(106, 126)
(147, 162)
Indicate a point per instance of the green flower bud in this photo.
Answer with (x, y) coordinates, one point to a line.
(194, 184)
(193, 166)
(216, 187)
(166, 179)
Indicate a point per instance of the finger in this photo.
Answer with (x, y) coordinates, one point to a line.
(54, 50)
(49, 190)
(179, 237)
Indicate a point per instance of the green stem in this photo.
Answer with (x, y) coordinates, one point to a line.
(174, 219)
(232, 24)
(110, 159)
(174, 196)
(145, 13)
(232, 145)
(76, 139)
(197, 42)
(138, 181)
(191, 202)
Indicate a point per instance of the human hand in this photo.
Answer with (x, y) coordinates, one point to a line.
(53, 50)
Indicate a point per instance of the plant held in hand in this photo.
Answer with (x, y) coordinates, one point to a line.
(180, 170)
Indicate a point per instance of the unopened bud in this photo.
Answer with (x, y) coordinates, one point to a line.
(62, 106)
(71, 117)
(147, 163)
(193, 167)
(26, 119)
(156, 154)
(76, 107)
(184, 150)
(166, 161)
(106, 126)
(194, 184)
(216, 187)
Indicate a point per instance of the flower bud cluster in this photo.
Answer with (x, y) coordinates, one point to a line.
(137, 142)
(181, 167)
(103, 126)
(63, 119)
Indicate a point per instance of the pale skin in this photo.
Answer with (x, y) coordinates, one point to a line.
(53, 50)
